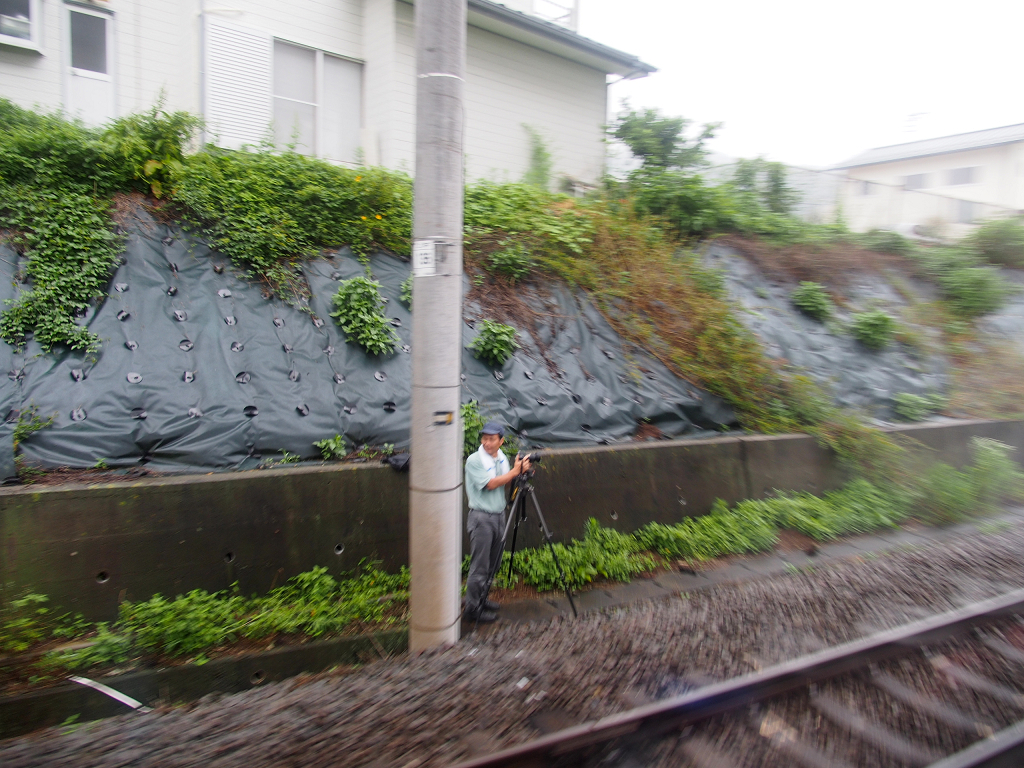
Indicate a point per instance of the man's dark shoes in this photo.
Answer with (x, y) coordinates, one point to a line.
(490, 605)
(483, 617)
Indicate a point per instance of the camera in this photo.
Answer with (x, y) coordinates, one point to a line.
(533, 458)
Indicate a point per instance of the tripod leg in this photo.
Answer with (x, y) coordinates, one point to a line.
(517, 505)
(554, 554)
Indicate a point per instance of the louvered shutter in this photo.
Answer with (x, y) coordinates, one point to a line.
(237, 84)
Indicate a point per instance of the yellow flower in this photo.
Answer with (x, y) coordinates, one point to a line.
(363, 218)
(379, 216)
(359, 178)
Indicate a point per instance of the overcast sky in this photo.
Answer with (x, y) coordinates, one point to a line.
(814, 82)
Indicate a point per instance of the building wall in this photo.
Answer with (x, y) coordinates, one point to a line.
(875, 196)
(32, 79)
(158, 50)
(509, 84)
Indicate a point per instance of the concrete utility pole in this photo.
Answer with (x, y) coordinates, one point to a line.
(435, 482)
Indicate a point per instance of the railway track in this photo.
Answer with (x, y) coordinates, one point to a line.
(939, 693)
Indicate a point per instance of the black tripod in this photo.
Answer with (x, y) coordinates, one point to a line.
(521, 488)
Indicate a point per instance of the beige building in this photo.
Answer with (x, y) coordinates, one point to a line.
(943, 185)
(336, 78)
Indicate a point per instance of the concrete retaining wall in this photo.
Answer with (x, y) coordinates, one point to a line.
(90, 547)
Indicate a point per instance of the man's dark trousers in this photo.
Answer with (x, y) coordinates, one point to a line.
(485, 546)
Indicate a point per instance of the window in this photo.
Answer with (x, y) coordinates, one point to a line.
(19, 23)
(964, 212)
(959, 176)
(89, 81)
(88, 42)
(916, 181)
(316, 102)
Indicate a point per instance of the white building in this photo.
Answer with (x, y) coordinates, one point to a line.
(334, 77)
(945, 184)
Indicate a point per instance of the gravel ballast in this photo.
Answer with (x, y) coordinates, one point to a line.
(488, 693)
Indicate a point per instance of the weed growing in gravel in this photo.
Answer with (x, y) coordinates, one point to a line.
(26, 621)
(720, 532)
(313, 603)
(332, 448)
(603, 552)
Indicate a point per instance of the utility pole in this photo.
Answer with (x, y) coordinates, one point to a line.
(435, 482)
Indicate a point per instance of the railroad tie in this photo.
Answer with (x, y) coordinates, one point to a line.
(1004, 649)
(784, 737)
(942, 712)
(878, 735)
(703, 754)
(979, 683)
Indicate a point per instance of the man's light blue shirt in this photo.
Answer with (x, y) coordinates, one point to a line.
(481, 468)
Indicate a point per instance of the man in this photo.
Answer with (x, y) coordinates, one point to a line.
(487, 474)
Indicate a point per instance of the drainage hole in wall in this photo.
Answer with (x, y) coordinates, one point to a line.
(339, 548)
(229, 557)
(102, 577)
(615, 515)
(257, 678)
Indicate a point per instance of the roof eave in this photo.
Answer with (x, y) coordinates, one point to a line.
(554, 39)
(853, 164)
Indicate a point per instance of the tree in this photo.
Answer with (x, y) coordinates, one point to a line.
(659, 141)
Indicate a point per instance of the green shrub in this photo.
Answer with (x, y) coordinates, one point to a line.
(359, 312)
(720, 532)
(947, 495)
(332, 448)
(917, 407)
(513, 261)
(603, 552)
(1000, 242)
(873, 329)
(973, 291)
(495, 342)
(406, 292)
(857, 507)
(884, 241)
(311, 603)
(811, 299)
(971, 288)
(995, 476)
(56, 179)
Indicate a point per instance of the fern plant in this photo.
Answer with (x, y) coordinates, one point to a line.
(359, 312)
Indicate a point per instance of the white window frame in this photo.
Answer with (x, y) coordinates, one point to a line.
(318, 92)
(108, 18)
(110, 76)
(34, 43)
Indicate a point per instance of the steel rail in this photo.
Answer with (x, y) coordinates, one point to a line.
(656, 719)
